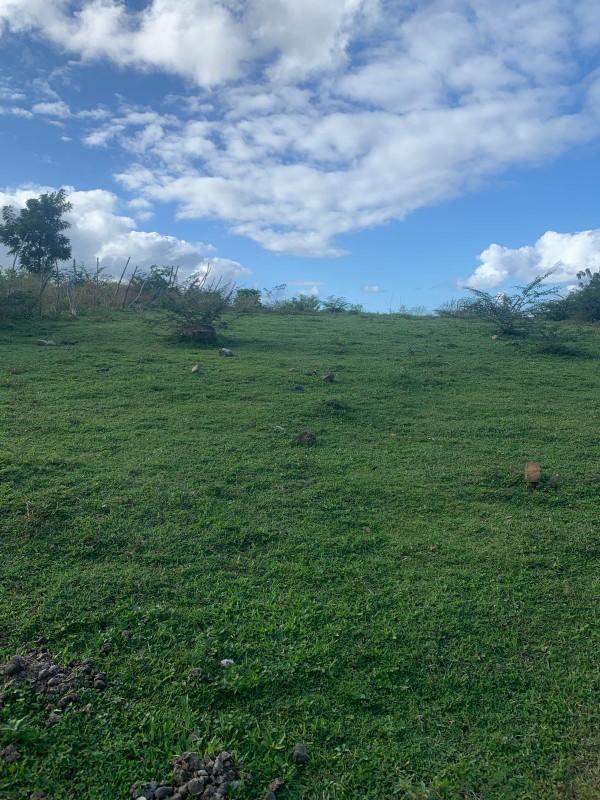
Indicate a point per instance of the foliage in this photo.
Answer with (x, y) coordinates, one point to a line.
(247, 301)
(511, 314)
(199, 299)
(581, 305)
(35, 235)
(18, 298)
(394, 597)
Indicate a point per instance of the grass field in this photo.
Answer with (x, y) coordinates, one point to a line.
(395, 596)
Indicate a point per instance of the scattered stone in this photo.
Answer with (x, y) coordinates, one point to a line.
(197, 369)
(10, 754)
(532, 473)
(300, 756)
(225, 351)
(69, 341)
(89, 708)
(126, 634)
(201, 332)
(305, 437)
(270, 796)
(276, 784)
(278, 428)
(227, 662)
(99, 685)
(45, 342)
(108, 647)
(194, 777)
(298, 388)
(57, 682)
(329, 378)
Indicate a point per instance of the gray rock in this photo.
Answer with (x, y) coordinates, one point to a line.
(197, 369)
(270, 796)
(225, 351)
(300, 756)
(53, 719)
(195, 786)
(14, 666)
(45, 342)
(100, 685)
(276, 784)
(10, 754)
(163, 792)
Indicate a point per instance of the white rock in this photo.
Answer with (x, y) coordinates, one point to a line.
(227, 662)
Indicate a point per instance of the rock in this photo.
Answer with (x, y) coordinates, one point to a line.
(195, 786)
(10, 754)
(278, 428)
(197, 369)
(201, 332)
(67, 699)
(270, 796)
(53, 719)
(99, 685)
(126, 634)
(108, 647)
(163, 792)
(553, 481)
(225, 351)
(305, 437)
(532, 472)
(45, 342)
(298, 388)
(276, 784)
(300, 756)
(69, 341)
(139, 790)
(495, 337)
(329, 378)
(227, 662)
(14, 666)
(89, 708)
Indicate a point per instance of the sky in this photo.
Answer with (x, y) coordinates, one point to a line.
(392, 152)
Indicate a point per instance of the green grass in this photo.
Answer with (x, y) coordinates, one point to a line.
(393, 596)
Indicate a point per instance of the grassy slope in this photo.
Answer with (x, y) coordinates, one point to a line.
(393, 596)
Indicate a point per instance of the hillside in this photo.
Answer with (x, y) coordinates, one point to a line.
(394, 596)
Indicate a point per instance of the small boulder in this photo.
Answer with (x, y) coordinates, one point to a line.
(329, 378)
(225, 351)
(45, 342)
(201, 332)
(532, 473)
(298, 388)
(300, 756)
(197, 369)
(10, 754)
(305, 437)
(276, 784)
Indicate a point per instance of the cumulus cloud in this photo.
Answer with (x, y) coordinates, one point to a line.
(371, 289)
(98, 230)
(564, 254)
(294, 138)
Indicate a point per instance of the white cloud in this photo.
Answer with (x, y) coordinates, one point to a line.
(371, 288)
(54, 109)
(318, 118)
(564, 254)
(100, 231)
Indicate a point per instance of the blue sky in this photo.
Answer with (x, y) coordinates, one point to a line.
(388, 152)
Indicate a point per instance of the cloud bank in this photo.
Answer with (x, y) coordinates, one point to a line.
(564, 254)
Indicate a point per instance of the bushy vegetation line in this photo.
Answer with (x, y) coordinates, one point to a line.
(394, 596)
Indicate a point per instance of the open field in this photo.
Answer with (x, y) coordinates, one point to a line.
(394, 596)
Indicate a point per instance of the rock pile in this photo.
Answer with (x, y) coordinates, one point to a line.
(194, 777)
(58, 682)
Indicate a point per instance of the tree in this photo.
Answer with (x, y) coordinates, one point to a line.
(35, 235)
(512, 314)
(581, 305)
